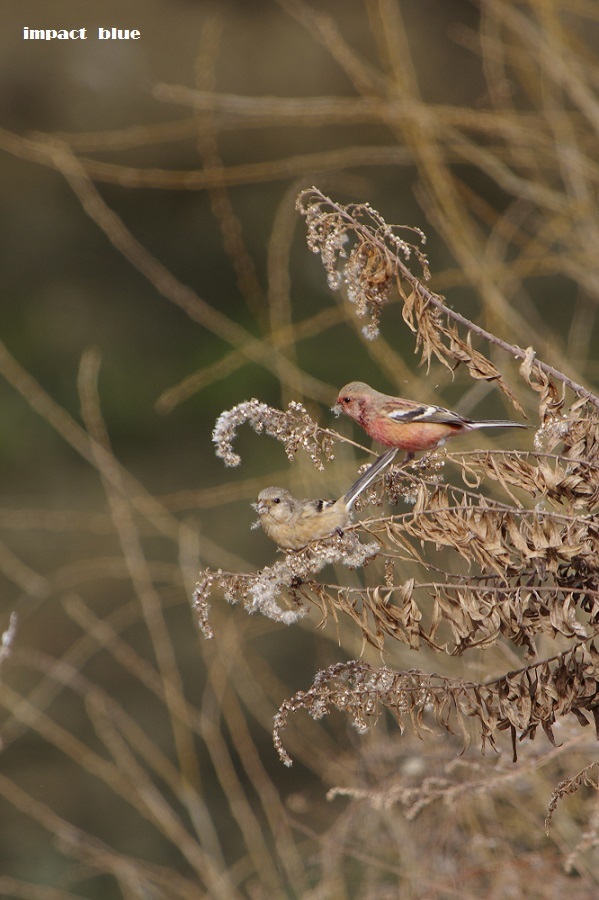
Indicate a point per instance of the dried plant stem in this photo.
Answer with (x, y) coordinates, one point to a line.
(492, 682)
(220, 202)
(43, 152)
(131, 874)
(435, 300)
(261, 352)
(83, 443)
(141, 578)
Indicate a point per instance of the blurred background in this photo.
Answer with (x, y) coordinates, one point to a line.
(149, 236)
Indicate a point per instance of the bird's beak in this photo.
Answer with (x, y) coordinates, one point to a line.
(260, 507)
(337, 409)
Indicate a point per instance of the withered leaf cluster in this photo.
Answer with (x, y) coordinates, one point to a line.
(437, 337)
(570, 482)
(520, 702)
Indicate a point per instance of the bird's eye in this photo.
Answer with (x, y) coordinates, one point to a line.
(346, 399)
(276, 500)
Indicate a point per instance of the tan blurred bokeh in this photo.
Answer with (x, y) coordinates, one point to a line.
(150, 239)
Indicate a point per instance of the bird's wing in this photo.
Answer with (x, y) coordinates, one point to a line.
(436, 415)
(312, 508)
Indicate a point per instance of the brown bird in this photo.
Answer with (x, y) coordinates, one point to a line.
(293, 523)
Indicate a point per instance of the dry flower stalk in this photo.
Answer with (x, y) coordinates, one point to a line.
(520, 568)
(293, 427)
(521, 702)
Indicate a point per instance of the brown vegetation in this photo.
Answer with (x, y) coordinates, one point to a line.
(457, 615)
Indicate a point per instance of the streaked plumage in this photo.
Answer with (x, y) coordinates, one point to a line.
(293, 523)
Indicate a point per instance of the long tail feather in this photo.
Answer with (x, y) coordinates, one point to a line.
(496, 423)
(369, 476)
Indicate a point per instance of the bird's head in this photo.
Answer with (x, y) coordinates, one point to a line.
(275, 502)
(351, 399)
